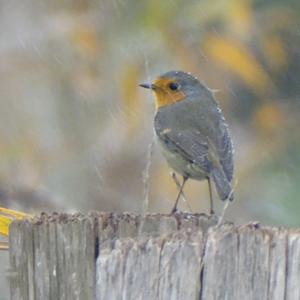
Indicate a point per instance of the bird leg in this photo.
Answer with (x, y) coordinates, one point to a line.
(173, 174)
(210, 197)
(179, 194)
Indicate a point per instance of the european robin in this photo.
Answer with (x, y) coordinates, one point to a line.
(192, 132)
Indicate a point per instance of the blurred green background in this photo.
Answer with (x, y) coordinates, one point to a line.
(75, 127)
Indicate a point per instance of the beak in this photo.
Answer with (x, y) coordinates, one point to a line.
(147, 86)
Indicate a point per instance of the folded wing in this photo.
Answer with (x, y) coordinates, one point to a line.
(201, 152)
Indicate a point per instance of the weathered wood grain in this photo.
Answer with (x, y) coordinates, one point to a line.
(122, 256)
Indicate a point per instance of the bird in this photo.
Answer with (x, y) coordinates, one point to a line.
(192, 133)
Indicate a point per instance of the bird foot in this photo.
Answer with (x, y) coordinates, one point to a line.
(175, 210)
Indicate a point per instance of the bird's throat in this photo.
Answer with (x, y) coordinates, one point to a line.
(163, 98)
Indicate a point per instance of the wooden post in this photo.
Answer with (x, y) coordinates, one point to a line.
(121, 256)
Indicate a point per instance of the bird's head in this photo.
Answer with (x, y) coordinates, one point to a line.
(172, 87)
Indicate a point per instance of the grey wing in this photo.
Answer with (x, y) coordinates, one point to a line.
(222, 172)
(225, 151)
(193, 147)
(190, 144)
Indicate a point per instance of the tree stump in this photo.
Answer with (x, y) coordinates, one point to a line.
(122, 256)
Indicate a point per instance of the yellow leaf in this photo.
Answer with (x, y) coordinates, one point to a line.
(4, 224)
(7, 216)
(18, 215)
(235, 57)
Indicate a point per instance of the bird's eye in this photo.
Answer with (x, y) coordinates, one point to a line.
(174, 86)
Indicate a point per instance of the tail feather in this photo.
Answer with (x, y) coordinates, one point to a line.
(222, 184)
